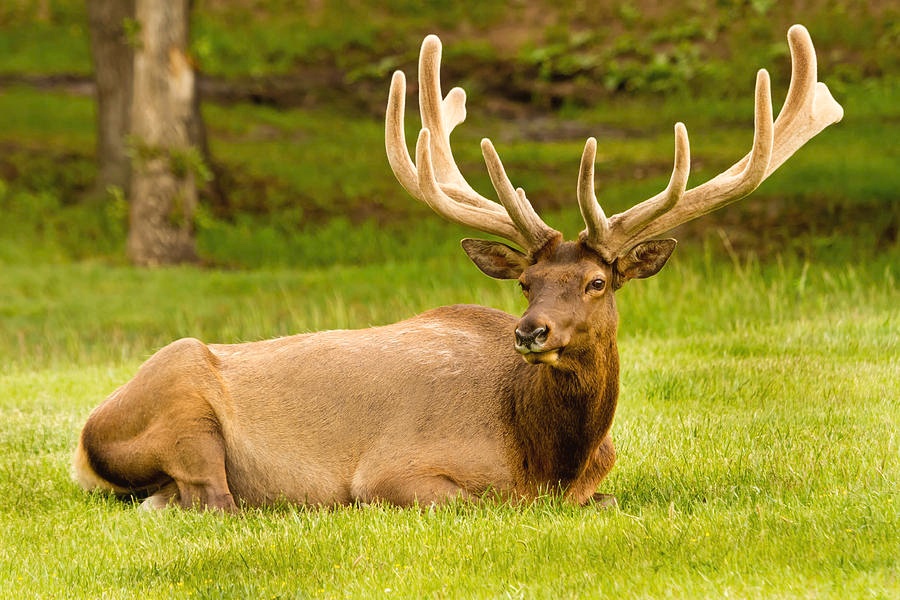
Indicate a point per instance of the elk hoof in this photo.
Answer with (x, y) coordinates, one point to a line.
(603, 501)
(156, 502)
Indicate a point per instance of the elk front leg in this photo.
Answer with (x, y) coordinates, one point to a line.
(603, 501)
(583, 490)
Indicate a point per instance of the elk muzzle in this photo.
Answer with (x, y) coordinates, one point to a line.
(531, 341)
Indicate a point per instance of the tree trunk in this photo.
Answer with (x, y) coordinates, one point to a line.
(113, 63)
(163, 191)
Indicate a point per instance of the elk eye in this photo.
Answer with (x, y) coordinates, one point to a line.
(596, 285)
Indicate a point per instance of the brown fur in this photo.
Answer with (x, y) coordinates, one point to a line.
(437, 407)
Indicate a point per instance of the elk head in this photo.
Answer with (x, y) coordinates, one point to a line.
(570, 285)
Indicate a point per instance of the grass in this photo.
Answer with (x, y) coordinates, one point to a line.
(756, 434)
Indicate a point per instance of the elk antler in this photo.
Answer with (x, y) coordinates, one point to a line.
(436, 180)
(808, 109)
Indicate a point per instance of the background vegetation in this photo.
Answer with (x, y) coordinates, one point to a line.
(757, 428)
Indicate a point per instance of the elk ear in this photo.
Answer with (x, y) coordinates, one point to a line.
(644, 260)
(496, 259)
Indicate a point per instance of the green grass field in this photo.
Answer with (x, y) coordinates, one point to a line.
(757, 440)
(757, 430)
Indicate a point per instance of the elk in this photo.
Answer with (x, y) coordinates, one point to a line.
(441, 406)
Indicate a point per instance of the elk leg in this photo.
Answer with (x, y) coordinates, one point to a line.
(432, 490)
(197, 477)
(181, 461)
(603, 501)
(159, 433)
(411, 490)
(162, 498)
(583, 491)
(197, 466)
(605, 457)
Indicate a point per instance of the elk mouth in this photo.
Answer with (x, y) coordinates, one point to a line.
(546, 357)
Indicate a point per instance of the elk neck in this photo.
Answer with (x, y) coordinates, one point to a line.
(560, 417)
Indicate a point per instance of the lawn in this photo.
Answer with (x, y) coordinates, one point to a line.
(758, 454)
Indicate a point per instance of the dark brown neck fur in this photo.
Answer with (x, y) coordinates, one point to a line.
(559, 418)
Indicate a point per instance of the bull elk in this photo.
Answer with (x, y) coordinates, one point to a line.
(440, 406)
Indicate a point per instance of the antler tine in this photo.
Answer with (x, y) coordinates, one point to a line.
(808, 109)
(394, 141)
(476, 217)
(434, 118)
(809, 106)
(644, 213)
(515, 202)
(591, 211)
(435, 178)
(607, 235)
(447, 114)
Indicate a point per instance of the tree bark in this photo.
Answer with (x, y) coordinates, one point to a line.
(113, 58)
(163, 190)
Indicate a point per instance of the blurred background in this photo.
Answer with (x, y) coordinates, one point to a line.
(291, 168)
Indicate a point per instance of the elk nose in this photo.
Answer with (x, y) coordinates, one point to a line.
(526, 339)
